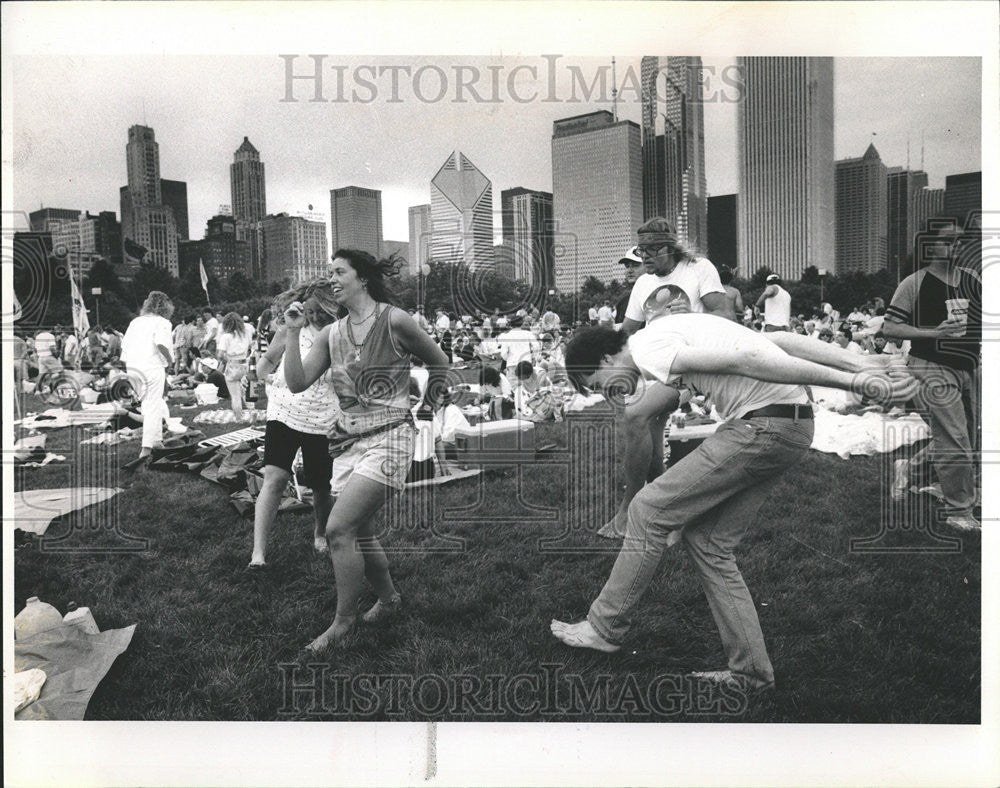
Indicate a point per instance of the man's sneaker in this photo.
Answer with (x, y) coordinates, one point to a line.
(900, 480)
(733, 680)
(964, 522)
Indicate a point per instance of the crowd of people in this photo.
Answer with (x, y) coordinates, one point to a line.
(355, 383)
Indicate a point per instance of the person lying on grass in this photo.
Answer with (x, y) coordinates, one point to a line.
(709, 498)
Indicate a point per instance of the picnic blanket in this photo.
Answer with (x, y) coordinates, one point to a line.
(865, 434)
(34, 510)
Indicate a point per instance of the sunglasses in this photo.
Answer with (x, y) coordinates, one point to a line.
(649, 250)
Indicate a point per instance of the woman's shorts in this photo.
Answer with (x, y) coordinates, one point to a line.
(384, 457)
(280, 444)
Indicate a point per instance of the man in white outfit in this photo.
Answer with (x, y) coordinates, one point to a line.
(777, 304)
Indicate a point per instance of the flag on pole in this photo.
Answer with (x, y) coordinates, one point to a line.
(204, 278)
(80, 322)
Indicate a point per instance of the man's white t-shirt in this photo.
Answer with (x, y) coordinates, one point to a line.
(516, 345)
(778, 308)
(45, 343)
(695, 278)
(443, 323)
(70, 348)
(605, 314)
(140, 341)
(212, 327)
(654, 347)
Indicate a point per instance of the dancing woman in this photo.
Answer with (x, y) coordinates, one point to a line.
(368, 354)
(296, 421)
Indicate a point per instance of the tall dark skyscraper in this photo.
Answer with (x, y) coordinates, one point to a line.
(673, 146)
(175, 194)
(526, 218)
(356, 219)
(723, 230)
(246, 181)
(785, 144)
(861, 213)
(902, 187)
(963, 194)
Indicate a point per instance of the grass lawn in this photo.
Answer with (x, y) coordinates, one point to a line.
(888, 636)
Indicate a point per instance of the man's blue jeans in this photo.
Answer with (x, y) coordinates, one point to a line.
(713, 494)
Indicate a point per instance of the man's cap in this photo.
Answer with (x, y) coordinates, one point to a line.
(246, 318)
(211, 363)
(631, 256)
(657, 230)
(773, 278)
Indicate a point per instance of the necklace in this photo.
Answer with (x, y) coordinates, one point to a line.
(358, 346)
(364, 319)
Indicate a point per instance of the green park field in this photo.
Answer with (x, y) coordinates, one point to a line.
(884, 631)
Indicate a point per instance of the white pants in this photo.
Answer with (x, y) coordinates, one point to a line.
(148, 384)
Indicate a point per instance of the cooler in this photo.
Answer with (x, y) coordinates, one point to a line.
(510, 440)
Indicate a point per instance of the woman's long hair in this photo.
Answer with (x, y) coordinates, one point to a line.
(320, 289)
(157, 303)
(374, 273)
(233, 324)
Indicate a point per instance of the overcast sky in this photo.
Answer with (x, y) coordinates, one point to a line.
(70, 116)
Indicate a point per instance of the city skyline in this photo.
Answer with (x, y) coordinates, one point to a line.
(944, 133)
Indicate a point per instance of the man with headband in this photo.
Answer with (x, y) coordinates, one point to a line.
(675, 281)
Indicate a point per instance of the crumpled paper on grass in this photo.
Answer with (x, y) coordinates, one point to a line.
(74, 663)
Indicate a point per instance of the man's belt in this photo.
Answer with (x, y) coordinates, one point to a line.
(782, 412)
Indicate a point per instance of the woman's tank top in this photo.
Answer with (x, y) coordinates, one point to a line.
(375, 375)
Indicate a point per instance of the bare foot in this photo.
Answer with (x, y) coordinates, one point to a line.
(335, 635)
(320, 545)
(581, 635)
(615, 527)
(383, 610)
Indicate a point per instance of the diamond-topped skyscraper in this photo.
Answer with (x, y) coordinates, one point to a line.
(146, 220)
(785, 143)
(246, 177)
(461, 213)
(673, 146)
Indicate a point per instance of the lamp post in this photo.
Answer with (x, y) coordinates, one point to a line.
(822, 280)
(96, 292)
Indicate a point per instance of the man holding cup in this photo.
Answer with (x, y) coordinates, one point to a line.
(939, 309)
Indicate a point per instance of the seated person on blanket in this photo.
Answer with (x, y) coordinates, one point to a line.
(710, 497)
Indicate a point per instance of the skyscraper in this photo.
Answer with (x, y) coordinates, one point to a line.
(461, 213)
(526, 218)
(902, 187)
(175, 194)
(292, 248)
(356, 219)
(927, 204)
(785, 144)
(596, 196)
(146, 219)
(963, 194)
(673, 146)
(219, 251)
(722, 230)
(420, 236)
(861, 213)
(246, 183)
